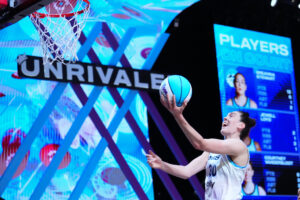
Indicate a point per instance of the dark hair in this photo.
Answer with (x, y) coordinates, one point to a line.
(235, 76)
(249, 123)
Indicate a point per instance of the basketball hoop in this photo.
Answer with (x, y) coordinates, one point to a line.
(59, 25)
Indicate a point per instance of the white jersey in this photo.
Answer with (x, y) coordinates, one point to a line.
(223, 179)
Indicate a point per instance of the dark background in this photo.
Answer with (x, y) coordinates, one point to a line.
(190, 51)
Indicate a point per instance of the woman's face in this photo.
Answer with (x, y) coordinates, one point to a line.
(231, 123)
(240, 84)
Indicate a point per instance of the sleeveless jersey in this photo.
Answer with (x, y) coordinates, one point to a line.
(247, 105)
(223, 179)
(254, 193)
(251, 146)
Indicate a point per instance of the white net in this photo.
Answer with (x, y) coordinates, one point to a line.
(59, 25)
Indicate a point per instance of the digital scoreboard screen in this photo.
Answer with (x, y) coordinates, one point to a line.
(256, 75)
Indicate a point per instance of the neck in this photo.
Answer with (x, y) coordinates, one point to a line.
(233, 136)
(240, 100)
(240, 96)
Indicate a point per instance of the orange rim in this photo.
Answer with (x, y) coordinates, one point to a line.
(43, 15)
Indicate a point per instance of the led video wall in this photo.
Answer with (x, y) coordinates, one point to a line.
(122, 171)
(256, 74)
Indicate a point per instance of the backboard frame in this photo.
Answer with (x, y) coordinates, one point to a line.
(17, 10)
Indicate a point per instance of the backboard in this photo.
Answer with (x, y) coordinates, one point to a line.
(11, 11)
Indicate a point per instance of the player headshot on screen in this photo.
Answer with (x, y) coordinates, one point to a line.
(240, 99)
(299, 194)
(225, 160)
(252, 145)
(249, 187)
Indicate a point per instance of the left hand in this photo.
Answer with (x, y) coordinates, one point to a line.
(170, 104)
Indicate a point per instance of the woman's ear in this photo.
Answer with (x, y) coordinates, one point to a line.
(241, 125)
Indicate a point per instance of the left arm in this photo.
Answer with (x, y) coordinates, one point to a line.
(231, 147)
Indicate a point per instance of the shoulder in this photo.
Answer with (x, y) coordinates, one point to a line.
(261, 191)
(257, 146)
(237, 141)
(238, 144)
(241, 153)
(253, 104)
(229, 102)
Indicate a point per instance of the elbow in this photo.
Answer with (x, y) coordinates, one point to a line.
(186, 173)
(199, 145)
(186, 176)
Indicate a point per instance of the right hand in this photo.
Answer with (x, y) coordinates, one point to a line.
(154, 160)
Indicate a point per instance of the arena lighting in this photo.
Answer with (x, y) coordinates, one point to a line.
(292, 3)
(273, 2)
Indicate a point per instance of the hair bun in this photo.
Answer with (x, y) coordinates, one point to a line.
(252, 122)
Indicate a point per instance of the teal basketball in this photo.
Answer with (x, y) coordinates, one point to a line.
(176, 85)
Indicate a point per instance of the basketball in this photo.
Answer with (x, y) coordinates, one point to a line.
(176, 85)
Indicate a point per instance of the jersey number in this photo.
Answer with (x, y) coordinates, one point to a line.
(212, 170)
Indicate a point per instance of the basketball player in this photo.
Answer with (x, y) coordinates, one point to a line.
(249, 188)
(225, 160)
(251, 144)
(240, 99)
